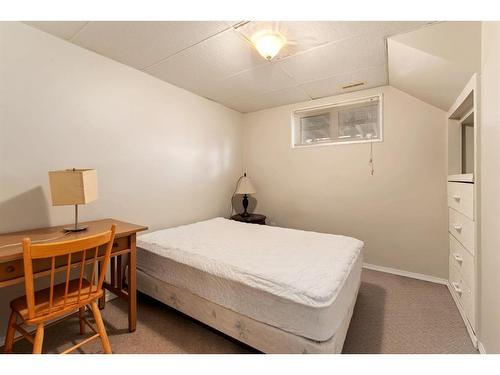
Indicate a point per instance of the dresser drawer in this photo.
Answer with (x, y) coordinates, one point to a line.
(467, 299)
(461, 198)
(462, 260)
(463, 293)
(462, 228)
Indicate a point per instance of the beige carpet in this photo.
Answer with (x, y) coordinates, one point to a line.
(393, 314)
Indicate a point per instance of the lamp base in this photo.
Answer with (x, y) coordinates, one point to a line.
(76, 227)
(245, 205)
(73, 229)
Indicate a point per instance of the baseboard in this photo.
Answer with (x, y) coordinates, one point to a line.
(413, 275)
(481, 348)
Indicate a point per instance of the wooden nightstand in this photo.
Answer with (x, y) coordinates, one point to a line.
(252, 218)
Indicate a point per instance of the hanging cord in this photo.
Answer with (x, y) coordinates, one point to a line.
(234, 193)
(37, 241)
(370, 163)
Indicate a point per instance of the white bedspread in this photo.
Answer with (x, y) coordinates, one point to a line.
(305, 267)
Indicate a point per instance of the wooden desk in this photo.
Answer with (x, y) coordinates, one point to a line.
(12, 268)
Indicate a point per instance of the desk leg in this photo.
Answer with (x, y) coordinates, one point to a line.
(132, 285)
(102, 300)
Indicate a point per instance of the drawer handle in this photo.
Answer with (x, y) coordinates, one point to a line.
(457, 227)
(458, 258)
(457, 198)
(115, 245)
(10, 269)
(457, 288)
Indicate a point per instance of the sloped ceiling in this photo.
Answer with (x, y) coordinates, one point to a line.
(435, 63)
(216, 60)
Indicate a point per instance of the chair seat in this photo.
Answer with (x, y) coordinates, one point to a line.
(19, 305)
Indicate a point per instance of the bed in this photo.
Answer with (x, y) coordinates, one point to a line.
(275, 289)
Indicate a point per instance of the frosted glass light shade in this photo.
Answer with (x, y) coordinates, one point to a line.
(268, 43)
(245, 186)
(73, 186)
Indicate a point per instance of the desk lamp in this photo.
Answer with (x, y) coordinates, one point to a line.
(73, 187)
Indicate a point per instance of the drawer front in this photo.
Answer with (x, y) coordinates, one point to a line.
(15, 268)
(461, 198)
(11, 270)
(462, 260)
(120, 244)
(467, 299)
(462, 228)
(454, 277)
(464, 294)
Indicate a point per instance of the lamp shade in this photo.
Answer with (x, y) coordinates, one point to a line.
(245, 186)
(73, 186)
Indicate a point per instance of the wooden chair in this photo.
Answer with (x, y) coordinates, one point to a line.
(36, 308)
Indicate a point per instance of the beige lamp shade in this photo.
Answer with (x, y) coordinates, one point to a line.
(245, 186)
(73, 186)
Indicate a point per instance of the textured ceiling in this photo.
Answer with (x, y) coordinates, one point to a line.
(215, 59)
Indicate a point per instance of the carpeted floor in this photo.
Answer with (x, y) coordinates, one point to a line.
(393, 314)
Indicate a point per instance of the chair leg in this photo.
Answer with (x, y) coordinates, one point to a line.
(100, 328)
(11, 330)
(37, 345)
(81, 316)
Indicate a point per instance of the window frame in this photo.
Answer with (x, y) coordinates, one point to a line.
(341, 103)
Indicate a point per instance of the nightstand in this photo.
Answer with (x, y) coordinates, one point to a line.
(251, 218)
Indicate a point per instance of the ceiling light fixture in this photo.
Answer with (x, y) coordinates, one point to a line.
(268, 43)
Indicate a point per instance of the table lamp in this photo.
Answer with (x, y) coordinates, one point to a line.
(73, 187)
(245, 188)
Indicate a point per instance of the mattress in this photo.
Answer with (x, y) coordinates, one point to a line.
(298, 281)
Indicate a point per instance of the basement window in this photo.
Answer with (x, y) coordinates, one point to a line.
(355, 121)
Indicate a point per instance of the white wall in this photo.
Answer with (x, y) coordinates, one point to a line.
(164, 156)
(489, 322)
(400, 212)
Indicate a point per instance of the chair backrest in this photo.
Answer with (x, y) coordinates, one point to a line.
(87, 248)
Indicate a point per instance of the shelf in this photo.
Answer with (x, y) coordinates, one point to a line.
(466, 177)
(468, 118)
(464, 107)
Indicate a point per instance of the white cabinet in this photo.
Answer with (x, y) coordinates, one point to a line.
(463, 191)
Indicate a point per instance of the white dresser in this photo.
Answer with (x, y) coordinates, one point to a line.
(462, 203)
(462, 239)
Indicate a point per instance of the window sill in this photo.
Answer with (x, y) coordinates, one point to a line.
(337, 143)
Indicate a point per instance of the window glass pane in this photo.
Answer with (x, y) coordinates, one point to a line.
(355, 121)
(359, 122)
(315, 128)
